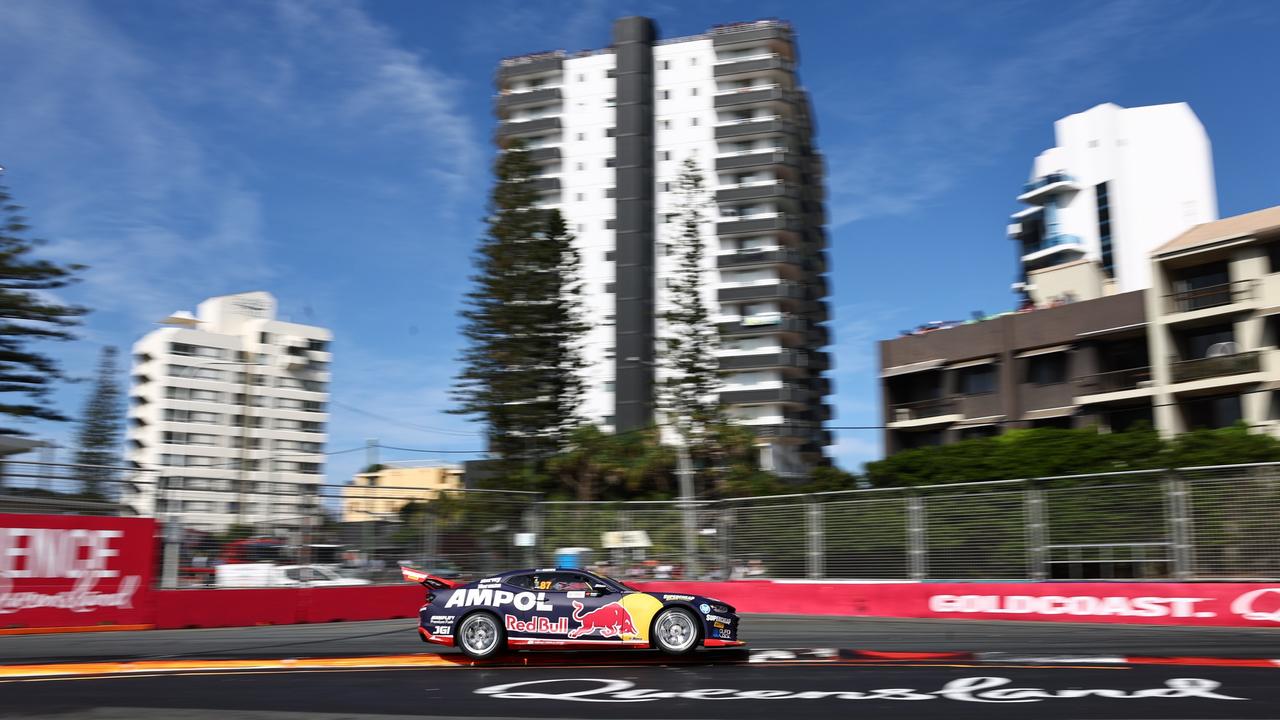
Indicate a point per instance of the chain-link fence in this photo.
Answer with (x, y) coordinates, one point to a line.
(1194, 523)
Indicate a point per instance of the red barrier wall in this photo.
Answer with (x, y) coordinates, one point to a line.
(1231, 604)
(285, 606)
(75, 570)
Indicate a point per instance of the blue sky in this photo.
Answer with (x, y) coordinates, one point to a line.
(336, 154)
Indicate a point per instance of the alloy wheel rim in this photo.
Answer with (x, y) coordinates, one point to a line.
(676, 630)
(480, 635)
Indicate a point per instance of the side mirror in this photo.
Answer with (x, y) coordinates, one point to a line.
(599, 589)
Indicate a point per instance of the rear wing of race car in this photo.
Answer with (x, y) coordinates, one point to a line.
(431, 582)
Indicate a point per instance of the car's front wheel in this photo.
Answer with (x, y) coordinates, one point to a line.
(479, 636)
(675, 631)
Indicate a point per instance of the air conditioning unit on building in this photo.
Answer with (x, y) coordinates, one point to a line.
(902, 414)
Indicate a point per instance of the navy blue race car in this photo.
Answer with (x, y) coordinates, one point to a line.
(566, 609)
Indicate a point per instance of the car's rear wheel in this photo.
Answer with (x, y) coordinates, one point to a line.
(479, 636)
(675, 631)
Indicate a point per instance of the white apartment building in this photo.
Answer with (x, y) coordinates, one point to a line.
(610, 130)
(1214, 325)
(230, 407)
(1119, 183)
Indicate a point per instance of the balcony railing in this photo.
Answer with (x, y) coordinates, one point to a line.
(1211, 296)
(921, 409)
(1113, 381)
(1219, 366)
(1046, 180)
(1051, 242)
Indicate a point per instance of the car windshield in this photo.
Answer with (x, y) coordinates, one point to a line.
(615, 581)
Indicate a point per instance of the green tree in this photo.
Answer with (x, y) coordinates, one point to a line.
(521, 366)
(101, 426)
(29, 312)
(688, 394)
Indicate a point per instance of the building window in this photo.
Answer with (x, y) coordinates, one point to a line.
(664, 155)
(610, 162)
(666, 124)
(977, 380)
(694, 122)
(666, 187)
(666, 64)
(610, 224)
(580, 197)
(581, 77)
(581, 166)
(608, 420)
(1273, 257)
(581, 227)
(608, 287)
(1050, 369)
(693, 61)
(611, 102)
(666, 94)
(608, 256)
(693, 92)
(608, 386)
(611, 192)
(1104, 229)
(582, 136)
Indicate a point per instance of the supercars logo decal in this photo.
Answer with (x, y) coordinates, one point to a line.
(610, 621)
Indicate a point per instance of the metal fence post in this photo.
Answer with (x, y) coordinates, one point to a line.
(815, 540)
(917, 540)
(726, 541)
(1036, 530)
(1179, 519)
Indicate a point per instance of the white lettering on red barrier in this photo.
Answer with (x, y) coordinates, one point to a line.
(51, 556)
(1109, 606)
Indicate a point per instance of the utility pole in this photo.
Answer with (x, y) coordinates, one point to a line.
(684, 474)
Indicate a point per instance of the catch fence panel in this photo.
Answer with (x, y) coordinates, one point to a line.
(1107, 528)
(1235, 522)
(866, 538)
(976, 535)
(768, 540)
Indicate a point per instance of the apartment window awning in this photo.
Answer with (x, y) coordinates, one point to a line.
(971, 363)
(979, 421)
(1047, 413)
(912, 368)
(1043, 351)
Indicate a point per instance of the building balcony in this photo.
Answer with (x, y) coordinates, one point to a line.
(782, 359)
(764, 63)
(1052, 244)
(1209, 297)
(787, 429)
(755, 95)
(755, 127)
(757, 31)
(1113, 381)
(508, 101)
(1039, 189)
(1220, 366)
(765, 190)
(762, 324)
(758, 224)
(762, 292)
(941, 409)
(546, 184)
(545, 154)
(524, 128)
(536, 64)
(757, 160)
(757, 257)
(783, 394)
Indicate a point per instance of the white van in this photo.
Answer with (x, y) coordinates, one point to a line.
(246, 575)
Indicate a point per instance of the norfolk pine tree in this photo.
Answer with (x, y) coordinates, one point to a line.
(29, 313)
(98, 439)
(521, 367)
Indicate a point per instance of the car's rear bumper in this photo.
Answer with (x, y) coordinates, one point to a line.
(437, 639)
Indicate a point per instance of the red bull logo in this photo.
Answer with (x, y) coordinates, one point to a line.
(609, 621)
(538, 624)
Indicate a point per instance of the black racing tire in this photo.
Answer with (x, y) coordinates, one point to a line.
(675, 631)
(480, 636)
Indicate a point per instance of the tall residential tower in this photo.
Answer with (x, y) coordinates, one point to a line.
(230, 407)
(610, 129)
(1119, 183)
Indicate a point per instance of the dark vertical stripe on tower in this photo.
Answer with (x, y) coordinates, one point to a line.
(633, 40)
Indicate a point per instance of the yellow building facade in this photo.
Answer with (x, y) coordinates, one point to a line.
(379, 495)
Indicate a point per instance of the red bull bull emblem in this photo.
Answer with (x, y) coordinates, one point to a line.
(611, 620)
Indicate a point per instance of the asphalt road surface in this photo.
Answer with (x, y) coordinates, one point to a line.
(724, 684)
(387, 637)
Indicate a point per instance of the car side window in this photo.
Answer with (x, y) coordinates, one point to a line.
(294, 574)
(560, 582)
(521, 581)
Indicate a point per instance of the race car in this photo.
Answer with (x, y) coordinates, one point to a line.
(564, 609)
